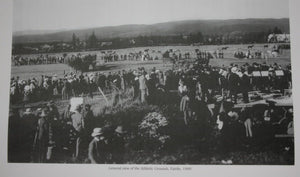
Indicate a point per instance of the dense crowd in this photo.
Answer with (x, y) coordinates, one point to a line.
(43, 135)
(203, 95)
(113, 56)
(257, 54)
(274, 51)
(37, 60)
(207, 81)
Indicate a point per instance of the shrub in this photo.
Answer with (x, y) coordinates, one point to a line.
(152, 130)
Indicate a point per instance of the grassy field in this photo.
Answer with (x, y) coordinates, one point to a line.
(25, 72)
(226, 62)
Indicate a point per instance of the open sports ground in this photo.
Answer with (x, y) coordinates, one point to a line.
(30, 71)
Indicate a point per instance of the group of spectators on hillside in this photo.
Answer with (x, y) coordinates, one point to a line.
(47, 134)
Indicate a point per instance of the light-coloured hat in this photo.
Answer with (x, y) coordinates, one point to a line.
(221, 71)
(147, 76)
(43, 114)
(50, 103)
(230, 114)
(240, 74)
(224, 73)
(219, 98)
(234, 69)
(28, 111)
(246, 73)
(96, 132)
(120, 130)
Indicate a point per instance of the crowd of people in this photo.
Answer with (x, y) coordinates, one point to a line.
(207, 81)
(113, 56)
(132, 56)
(202, 94)
(219, 53)
(43, 135)
(250, 55)
(37, 60)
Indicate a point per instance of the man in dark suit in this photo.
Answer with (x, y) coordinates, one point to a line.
(245, 85)
(233, 80)
(118, 145)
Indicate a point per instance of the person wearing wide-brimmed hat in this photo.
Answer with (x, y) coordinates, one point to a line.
(118, 145)
(143, 87)
(245, 85)
(66, 89)
(96, 151)
(185, 107)
(27, 92)
(136, 86)
(56, 124)
(42, 138)
(53, 111)
(233, 83)
(28, 111)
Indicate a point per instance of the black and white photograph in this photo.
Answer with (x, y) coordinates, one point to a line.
(167, 82)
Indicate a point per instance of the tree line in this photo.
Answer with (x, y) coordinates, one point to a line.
(94, 43)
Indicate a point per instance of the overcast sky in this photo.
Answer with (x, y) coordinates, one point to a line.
(74, 14)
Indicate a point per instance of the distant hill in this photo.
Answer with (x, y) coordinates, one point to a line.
(159, 29)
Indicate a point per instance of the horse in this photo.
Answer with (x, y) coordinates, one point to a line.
(225, 48)
(250, 46)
